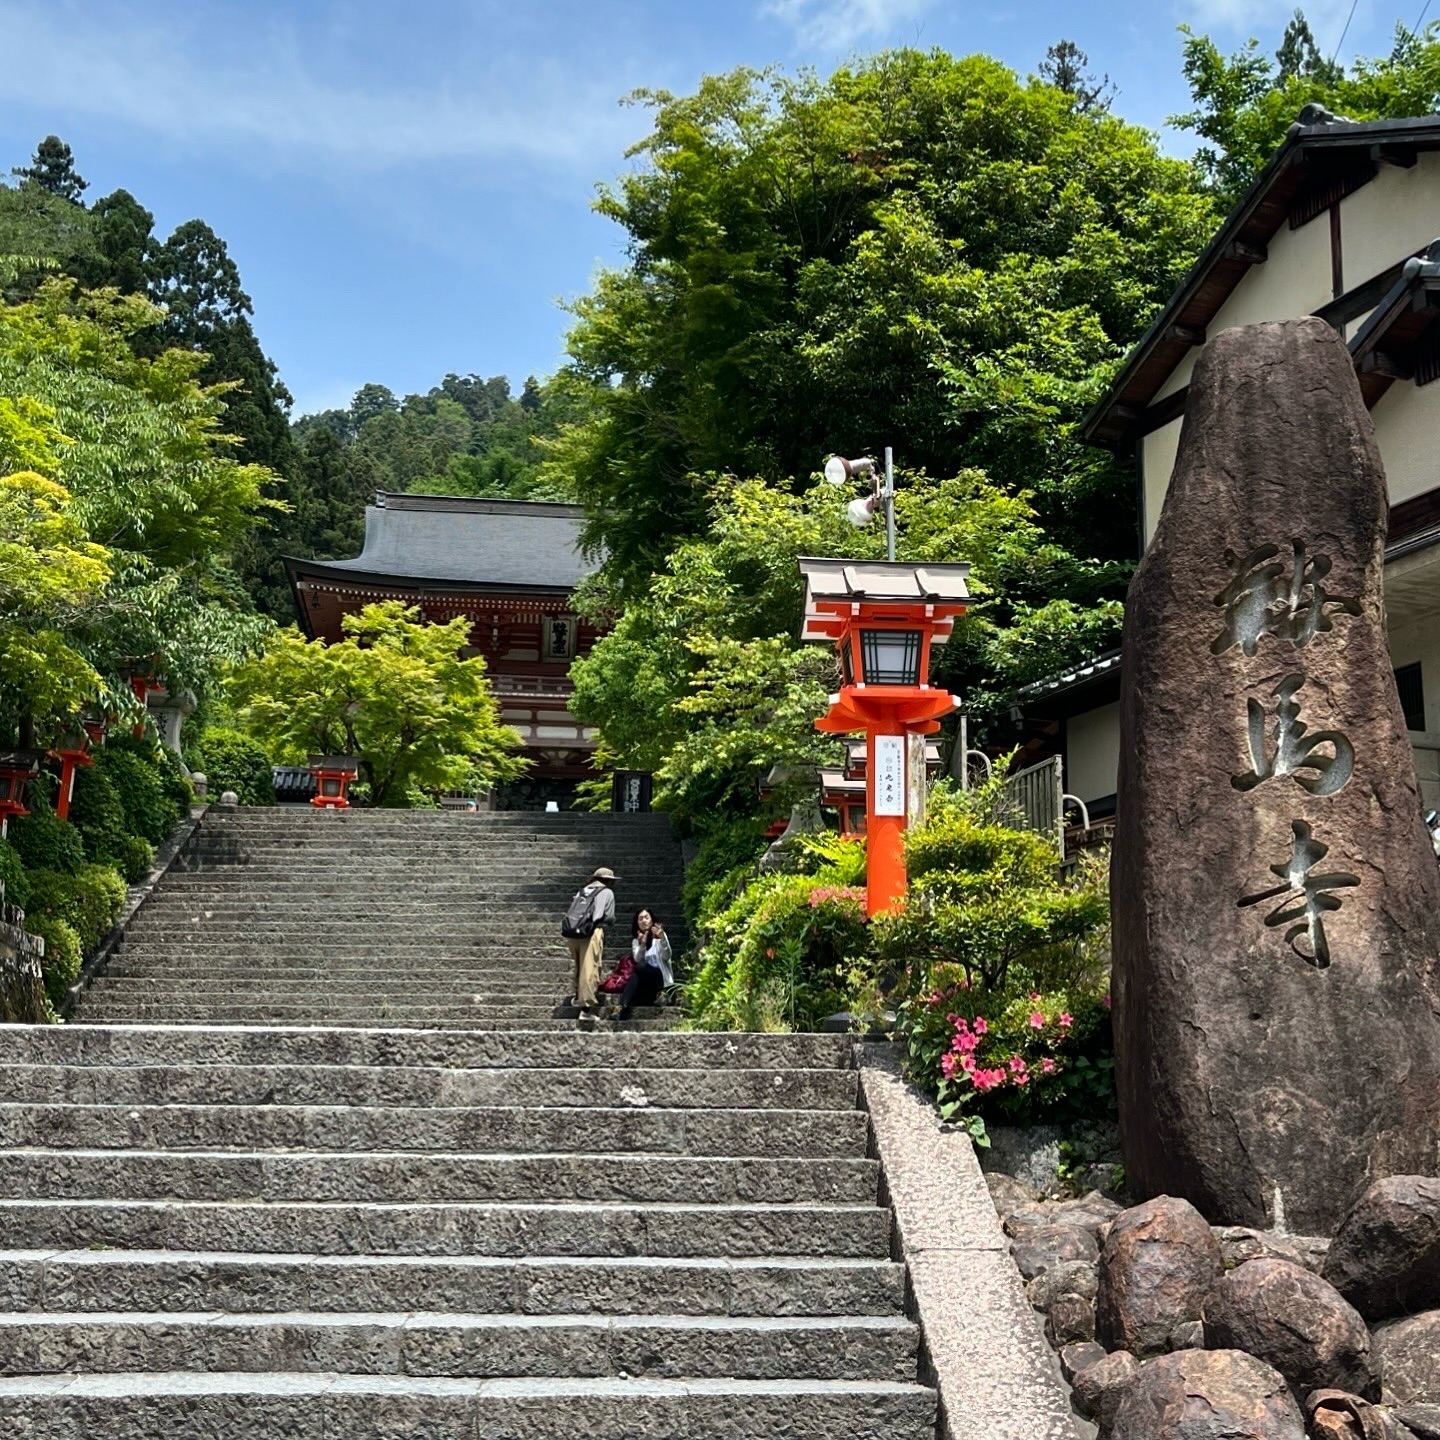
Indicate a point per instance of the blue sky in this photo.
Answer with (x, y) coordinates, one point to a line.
(406, 187)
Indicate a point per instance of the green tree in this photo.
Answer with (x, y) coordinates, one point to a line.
(395, 693)
(125, 245)
(39, 234)
(1243, 105)
(53, 168)
(1067, 67)
(920, 250)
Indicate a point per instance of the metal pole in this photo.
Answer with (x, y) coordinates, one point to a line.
(889, 504)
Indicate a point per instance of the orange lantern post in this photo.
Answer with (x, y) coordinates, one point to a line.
(883, 618)
(333, 774)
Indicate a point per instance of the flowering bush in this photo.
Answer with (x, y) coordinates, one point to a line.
(788, 949)
(1040, 1055)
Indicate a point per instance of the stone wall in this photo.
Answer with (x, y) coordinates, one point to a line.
(22, 986)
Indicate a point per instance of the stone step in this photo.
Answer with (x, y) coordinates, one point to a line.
(310, 1227)
(113, 1280)
(534, 977)
(111, 1006)
(254, 1082)
(269, 1405)
(470, 1345)
(367, 1020)
(513, 1129)
(172, 1046)
(409, 1176)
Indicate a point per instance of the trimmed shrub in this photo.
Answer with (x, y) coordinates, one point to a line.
(726, 848)
(62, 954)
(89, 902)
(12, 873)
(44, 842)
(96, 812)
(232, 761)
(133, 857)
(152, 792)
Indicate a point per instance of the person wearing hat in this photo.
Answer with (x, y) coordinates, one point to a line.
(588, 948)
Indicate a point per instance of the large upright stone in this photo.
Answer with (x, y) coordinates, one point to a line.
(1276, 903)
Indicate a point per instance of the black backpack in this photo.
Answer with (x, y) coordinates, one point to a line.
(579, 921)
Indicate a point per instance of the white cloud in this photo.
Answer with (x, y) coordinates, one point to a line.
(255, 87)
(834, 25)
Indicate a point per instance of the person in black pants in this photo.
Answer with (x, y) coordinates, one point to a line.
(650, 948)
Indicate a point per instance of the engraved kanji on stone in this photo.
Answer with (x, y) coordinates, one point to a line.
(1307, 897)
(1289, 749)
(1262, 599)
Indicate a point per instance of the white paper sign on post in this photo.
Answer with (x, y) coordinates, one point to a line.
(889, 777)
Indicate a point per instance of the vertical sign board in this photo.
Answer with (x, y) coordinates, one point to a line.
(916, 781)
(889, 777)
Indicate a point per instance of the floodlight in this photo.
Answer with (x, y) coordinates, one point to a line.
(840, 471)
(860, 512)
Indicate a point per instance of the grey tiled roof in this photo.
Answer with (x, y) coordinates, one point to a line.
(511, 543)
(1102, 665)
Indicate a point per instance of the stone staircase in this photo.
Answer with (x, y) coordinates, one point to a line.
(297, 916)
(503, 1228)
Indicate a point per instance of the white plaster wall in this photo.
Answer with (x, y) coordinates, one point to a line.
(1157, 464)
(1294, 281)
(1397, 213)
(1407, 429)
(1092, 753)
(1419, 642)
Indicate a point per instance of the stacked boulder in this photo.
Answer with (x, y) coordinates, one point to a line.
(1169, 1328)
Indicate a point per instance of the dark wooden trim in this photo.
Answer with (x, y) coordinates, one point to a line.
(1410, 517)
(1247, 253)
(1362, 299)
(1192, 335)
(1162, 412)
(1380, 362)
(1337, 255)
(1400, 156)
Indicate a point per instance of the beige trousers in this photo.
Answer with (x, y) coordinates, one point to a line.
(587, 952)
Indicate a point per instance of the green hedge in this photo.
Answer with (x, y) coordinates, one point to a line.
(62, 955)
(232, 761)
(152, 793)
(44, 842)
(89, 902)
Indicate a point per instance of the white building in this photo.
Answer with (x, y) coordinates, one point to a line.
(1342, 223)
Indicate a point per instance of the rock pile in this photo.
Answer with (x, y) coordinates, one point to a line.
(1168, 1328)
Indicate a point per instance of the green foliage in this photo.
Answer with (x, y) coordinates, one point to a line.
(63, 955)
(1244, 104)
(985, 897)
(230, 760)
(89, 901)
(728, 851)
(12, 875)
(786, 952)
(44, 842)
(921, 249)
(97, 813)
(395, 693)
(152, 793)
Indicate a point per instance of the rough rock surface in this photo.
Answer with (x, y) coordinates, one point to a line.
(1090, 1212)
(1159, 1263)
(1276, 903)
(1385, 1257)
(1291, 1319)
(1335, 1415)
(1078, 1357)
(1074, 1277)
(1188, 1335)
(1100, 1388)
(1238, 1244)
(1208, 1395)
(1407, 1353)
(1423, 1421)
(1008, 1193)
(1037, 1248)
(1071, 1318)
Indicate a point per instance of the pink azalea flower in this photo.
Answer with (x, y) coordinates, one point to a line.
(1034, 995)
(1037, 1020)
(967, 1064)
(947, 1066)
(1017, 1065)
(1047, 1066)
(1066, 1021)
(980, 1027)
(1021, 1080)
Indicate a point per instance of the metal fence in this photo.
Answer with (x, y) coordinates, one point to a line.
(1034, 799)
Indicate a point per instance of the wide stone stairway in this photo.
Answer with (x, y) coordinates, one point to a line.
(502, 1226)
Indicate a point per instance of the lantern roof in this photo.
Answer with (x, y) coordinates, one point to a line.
(837, 591)
(21, 759)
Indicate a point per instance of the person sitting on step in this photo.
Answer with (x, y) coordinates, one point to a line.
(650, 949)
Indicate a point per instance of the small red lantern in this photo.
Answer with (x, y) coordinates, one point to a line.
(333, 774)
(17, 769)
(883, 618)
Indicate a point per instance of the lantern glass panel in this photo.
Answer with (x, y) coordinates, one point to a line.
(890, 657)
(330, 786)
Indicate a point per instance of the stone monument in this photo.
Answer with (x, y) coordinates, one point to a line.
(1276, 902)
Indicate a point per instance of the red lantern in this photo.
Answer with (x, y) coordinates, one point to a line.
(884, 618)
(333, 774)
(17, 769)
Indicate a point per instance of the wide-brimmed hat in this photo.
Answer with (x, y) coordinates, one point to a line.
(604, 873)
